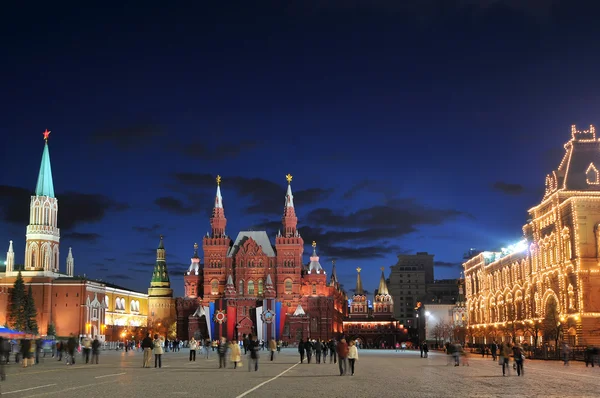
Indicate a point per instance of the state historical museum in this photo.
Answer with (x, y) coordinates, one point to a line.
(247, 285)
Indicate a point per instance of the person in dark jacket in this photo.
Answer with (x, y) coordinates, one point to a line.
(71, 347)
(308, 347)
(253, 347)
(318, 350)
(147, 346)
(301, 350)
(95, 350)
(332, 351)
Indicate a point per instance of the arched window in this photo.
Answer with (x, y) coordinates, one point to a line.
(214, 287)
(241, 287)
(314, 288)
(251, 288)
(288, 286)
(260, 287)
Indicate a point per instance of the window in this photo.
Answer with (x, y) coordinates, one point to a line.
(241, 287)
(214, 287)
(120, 304)
(250, 288)
(288, 286)
(592, 175)
(314, 288)
(106, 301)
(260, 287)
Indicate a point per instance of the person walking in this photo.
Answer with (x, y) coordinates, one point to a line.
(342, 353)
(325, 350)
(352, 356)
(504, 357)
(158, 351)
(301, 350)
(87, 348)
(253, 347)
(95, 350)
(193, 347)
(308, 347)
(235, 355)
(147, 345)
(332, 351)
(272, 348)
(566, 352)
(222, 351)
(318, 350)
(518, 355)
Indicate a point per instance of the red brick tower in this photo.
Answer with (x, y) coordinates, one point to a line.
(289, 246)
(215, 246)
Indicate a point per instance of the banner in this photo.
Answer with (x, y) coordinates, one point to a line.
(220, 319)
(268, 319)
(279, 320)
(232, 323)
(211, 320)
(259, 323)
(207, 319)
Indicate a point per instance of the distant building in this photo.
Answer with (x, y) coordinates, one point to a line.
(374, 326)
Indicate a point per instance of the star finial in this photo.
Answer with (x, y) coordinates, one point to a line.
(46, 134)
(289, 178)
(333, 261)
(218, 180)
(382, 268)
(314, 244)
(358, 270)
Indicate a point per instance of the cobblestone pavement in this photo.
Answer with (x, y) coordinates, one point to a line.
(378, 374)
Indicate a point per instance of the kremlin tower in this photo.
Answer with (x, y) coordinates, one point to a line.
(160, 294)
(43, 235)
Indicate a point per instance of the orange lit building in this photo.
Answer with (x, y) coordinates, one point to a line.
(552, 277)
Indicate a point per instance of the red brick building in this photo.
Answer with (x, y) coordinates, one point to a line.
(248, 285)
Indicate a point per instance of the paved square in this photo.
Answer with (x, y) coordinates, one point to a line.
(378, 374)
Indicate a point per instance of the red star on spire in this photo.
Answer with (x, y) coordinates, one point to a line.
(46, 134)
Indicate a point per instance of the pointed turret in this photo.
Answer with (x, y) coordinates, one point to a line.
(43, 235)
(160, 284)
(70, 263)
(359, 287)
(269, 288)
(218, 220)
(229, 287)
(299, 311)
(45, 186)
(10, 258)
(383, 289)
(289, 219)
(333, 279)
(315, 267)
(195, 262)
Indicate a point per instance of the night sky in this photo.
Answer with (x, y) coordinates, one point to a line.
(413, 127)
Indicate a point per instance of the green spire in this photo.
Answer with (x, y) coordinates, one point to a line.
(45, 187)
(160, 276)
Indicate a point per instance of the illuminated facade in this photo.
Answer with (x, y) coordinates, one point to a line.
(248, 285)
(555, 270)
(73, 305)
(374, 325)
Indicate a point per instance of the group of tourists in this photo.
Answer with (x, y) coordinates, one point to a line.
(340, 352)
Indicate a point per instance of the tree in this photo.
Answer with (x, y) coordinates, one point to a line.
(30, 313)
(16, 312)
(51, 330)
(552, 325)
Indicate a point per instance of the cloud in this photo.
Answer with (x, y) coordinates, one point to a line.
(367, 232)
(174, 205)
(153, 228)
(90, 237)
(264, 196)
(508, 188)
(446, 264)
(128, 137)
(369, 186)
(75, 208)
(199, 150)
